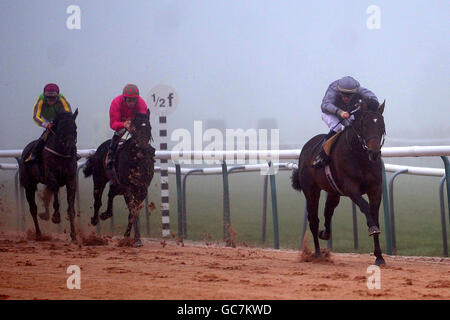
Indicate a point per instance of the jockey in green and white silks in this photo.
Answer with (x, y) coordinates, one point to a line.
(48, 104)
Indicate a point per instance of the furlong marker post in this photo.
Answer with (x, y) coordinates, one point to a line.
(164, 164)
(163, 99)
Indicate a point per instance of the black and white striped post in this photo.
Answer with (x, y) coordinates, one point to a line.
(162, 100)
(164, 164)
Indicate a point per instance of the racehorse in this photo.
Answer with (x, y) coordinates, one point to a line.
(355, 167)
(132, 173)
(56, 167)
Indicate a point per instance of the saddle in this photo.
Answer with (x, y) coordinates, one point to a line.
(37, 148)
(328, 144)
(28, 156)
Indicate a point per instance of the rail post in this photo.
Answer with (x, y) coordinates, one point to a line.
(226, 205)
(77, 194)
(443, 224)
(264, 212)
(21, 219)
(17, 192)
(273, 189)
(179, 200)
(447, 175)
(387, 217)
(184, 199)
(391, 201)
(330, 241)
(355, 227)
(147, 215)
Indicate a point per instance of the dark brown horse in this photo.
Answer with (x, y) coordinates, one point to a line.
(134, 168)
(56, 167)
(356, 170)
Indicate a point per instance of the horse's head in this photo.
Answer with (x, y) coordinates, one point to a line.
(141, 130)
(370, 127)
(65, 130)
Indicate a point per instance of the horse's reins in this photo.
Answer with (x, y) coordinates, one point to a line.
(57, 153)
(351, 113)
(60, 141)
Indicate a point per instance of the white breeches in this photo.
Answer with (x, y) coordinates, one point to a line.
(332, 121)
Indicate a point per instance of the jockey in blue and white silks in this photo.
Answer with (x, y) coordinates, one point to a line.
(336, 109)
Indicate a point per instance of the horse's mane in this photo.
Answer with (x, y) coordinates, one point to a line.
(64, 121)
(141, 117)
(62, 116)
(372, 104)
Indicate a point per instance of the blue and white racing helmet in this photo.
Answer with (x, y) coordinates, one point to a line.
(348, 85)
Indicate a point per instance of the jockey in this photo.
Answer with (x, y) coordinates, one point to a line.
(336, 109)
(48, 104)
(121, 112)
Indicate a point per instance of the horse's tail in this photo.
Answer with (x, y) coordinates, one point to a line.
(295, 180)
(89, 167)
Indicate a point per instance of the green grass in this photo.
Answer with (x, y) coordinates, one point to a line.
(417, 213)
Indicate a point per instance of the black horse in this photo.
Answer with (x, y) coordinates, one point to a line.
(134, 168)
(56, 167)
(356, 170)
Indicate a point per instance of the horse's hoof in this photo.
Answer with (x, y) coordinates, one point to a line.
(56, 219)
(105, 215)
(380, 262)
(318, 255)
(324, 235)
(94, 221)
(44, 216)
(374, 230)
(137, 243)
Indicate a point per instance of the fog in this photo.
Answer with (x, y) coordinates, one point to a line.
(234, 64)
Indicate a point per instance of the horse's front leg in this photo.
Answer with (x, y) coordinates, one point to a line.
(71, 189)
(52, 186)
(133, 201)
(56, 218)
(46, 197)
(365, 208)
(331, 204)
(375, 201)
(113, 191)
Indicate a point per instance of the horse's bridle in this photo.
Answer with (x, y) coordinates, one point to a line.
(362, 140)
(58, 138)
(132, 132)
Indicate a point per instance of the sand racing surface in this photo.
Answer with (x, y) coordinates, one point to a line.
(169, 269)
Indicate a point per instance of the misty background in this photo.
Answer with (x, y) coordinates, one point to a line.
(233, 64)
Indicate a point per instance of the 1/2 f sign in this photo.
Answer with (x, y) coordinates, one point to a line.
(162, 100)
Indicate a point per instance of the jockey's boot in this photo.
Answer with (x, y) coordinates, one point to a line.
(36, 151)
(111, 156)
(112, 150)
(323, 158)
